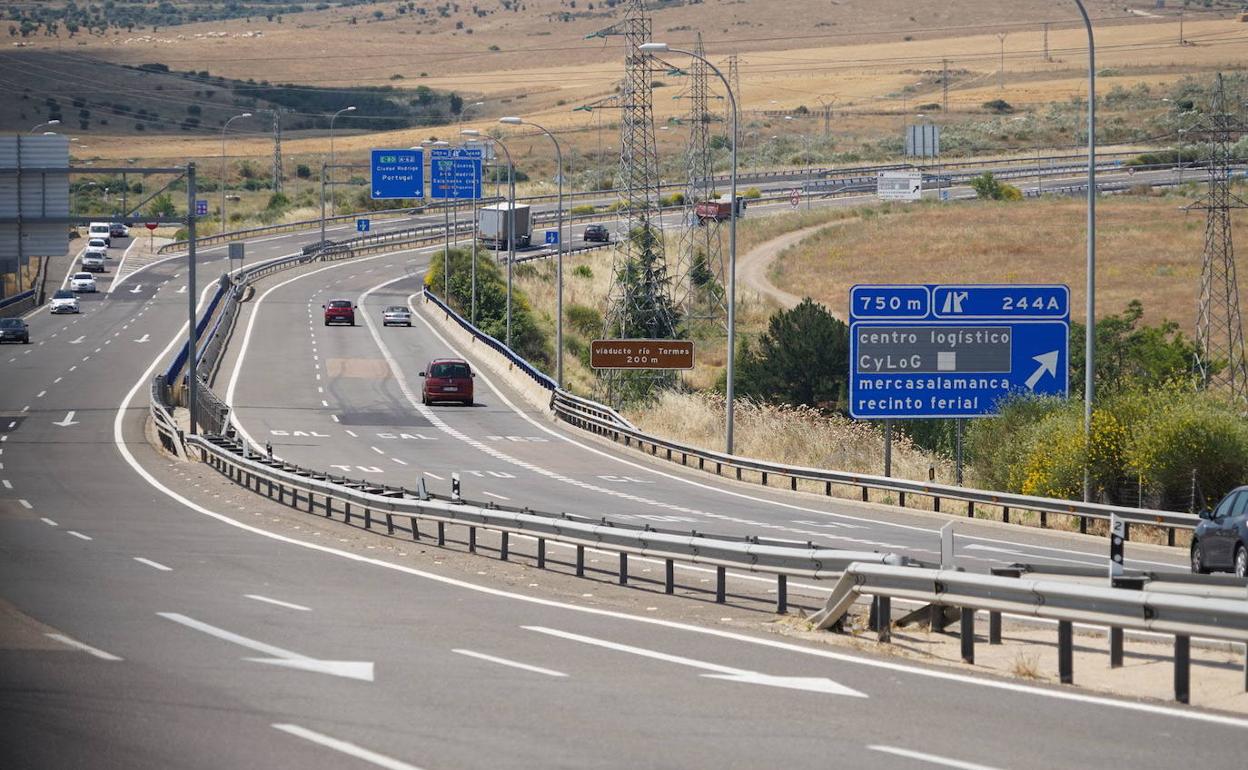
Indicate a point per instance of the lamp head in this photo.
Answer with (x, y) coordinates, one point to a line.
(470, 132)
(512, 120)
(653, 47)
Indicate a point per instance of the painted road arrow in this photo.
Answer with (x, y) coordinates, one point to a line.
(68, 421)
(1048, 365)
(726, 673)
(137, 289)
(182, 290)
(80, 339)
(348, 669)
(144, 338)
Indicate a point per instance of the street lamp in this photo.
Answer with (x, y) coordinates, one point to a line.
(329, 168)
(514, 121)
(46, 123)
(223, 128)
(511, 224)
(446, 224)
(653, 48)
(1090, 338)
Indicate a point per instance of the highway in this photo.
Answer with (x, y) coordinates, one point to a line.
(157, 616)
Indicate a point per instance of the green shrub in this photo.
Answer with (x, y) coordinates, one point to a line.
(584, 319)
(582, 209)
(583, 271)
(752, 193)
(999, 106)
(988, 187)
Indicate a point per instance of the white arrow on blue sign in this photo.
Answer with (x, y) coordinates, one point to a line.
(362, 225)
(201, 208)
(552, 237)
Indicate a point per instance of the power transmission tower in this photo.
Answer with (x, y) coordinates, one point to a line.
(700, 277)
(734, 75)
(1219, 326)
(640, 303)
(277, 150)
(1001, 75)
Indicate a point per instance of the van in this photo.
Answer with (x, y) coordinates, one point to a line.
(101, 230)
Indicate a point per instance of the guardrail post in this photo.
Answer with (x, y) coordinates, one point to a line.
(472, 540)
(389, 523)
(441, 533)
(782, 594)
(1065, 652)
(346, 513)
(827, 488)
(312, 500)
(720, 580)
(1115, 647)
(415, 528)
(1170, 537)
(669, 587)
(1083, 525)
(623, 569)
(936, 504)
(864, 495)
(1005, 514)
(884, 619)
(967, 632)
(764, 482)
(994, 627)
(970, 509)
(503, 546)
(368, 518)
(901, 499)
(541, 553)
(1044, 519)
(580, 561)
(1182, 668)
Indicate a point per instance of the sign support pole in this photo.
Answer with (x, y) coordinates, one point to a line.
(446, 253)
(475, 226)
(323, 169)
(958, 470)
(888, 448)
(192, 377)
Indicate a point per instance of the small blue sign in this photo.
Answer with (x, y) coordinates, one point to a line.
(455, 173)
(398, 174)
(201, 208)
(955, 350)
(552, 237)
(362, 225)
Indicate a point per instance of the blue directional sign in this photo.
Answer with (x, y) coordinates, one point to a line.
(455, 173)
(955, 350)
(201, 208)
(362, 225)
(552, 237)
(398, 174)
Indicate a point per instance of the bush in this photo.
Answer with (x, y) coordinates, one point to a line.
(583, 208)
(302, 171)
(987, 187)
(802, 359)
(583, 271)
(999, 106)
(584, 319)
(752, 193)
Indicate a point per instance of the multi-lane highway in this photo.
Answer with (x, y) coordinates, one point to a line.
(156, 616)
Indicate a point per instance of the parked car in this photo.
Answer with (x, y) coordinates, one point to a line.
(396, 314)
(63, 301)
(597, 233)
(1220, 542)
(339, 311)
(14, 330)
(118, 230)
(447, 379)
(82, 282)
(101, 230)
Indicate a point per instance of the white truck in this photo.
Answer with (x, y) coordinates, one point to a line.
(492, 225)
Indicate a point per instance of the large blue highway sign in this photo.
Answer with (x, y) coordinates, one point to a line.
(398, 174)
(455, 173)
(955, 350)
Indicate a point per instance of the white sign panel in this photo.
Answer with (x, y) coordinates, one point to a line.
(899, 185)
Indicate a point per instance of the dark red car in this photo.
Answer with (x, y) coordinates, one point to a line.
(339, 311)
(447, 379)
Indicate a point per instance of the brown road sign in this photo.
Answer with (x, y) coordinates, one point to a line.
(641, 354)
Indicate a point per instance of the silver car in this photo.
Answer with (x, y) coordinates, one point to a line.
(396, 314)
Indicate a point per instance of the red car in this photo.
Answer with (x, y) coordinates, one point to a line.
(339, 311)
(447, 379)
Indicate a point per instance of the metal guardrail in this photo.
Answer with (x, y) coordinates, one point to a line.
(1142, 609)
(166, 428)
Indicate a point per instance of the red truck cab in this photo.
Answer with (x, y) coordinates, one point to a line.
(339, 311)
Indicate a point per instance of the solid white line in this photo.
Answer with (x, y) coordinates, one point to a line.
(511, 663)
(79, 535)
(930, 758)
(7, 484)
(229, 636)
(121, 265)
(499, 497)
(350, 749)
(352, 433)
(400, 462)
(434, 476)
(41, 394)
(375, 449)
(49, 522)
(25, 503)
(278, 602)
(153, 564)
(63, 639)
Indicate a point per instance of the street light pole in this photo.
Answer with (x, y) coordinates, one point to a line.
(652, 48)
(331, 145)
(1089, 362)
(223, 128)
(41, 125)
(513, 121)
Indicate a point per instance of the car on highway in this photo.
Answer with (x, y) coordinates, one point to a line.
(447, 379)
(339, 311)
(93, 261)
(118, 230)
(97, 246)
(597, 233)
(396, 314)
(82, 282)
(14, 330)
(101, 230)
(1220, 542)
(63, 301)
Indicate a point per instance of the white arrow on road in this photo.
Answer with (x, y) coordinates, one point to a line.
(80, 339)
(182, 290)
(1048, 365)
(137, 289)
(807, 683)
(144, 338)
(348, 669)
(68, 421)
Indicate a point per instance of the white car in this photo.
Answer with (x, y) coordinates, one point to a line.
(93, 262)
(98, 245)
(82, 282)
(64, 301)
(119, 230)
(101, 230)
(396, 314)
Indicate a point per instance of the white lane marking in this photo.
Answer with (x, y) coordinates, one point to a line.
(499, 497)
(77, 645)
(58, 379)
(324, 402)
(510, 663)
(79, 535)
(931, 759)
(400, 462)
(12, 424)
(727, 673)
(41, 394)
(352, 433)
(350, 749)
(788, 648)
(49, 522)
(278, 602)
(7, 484)
(25, 503)
(434, 476)
(334, 417)
(75, 366)
(153, 564)
(375, 449)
